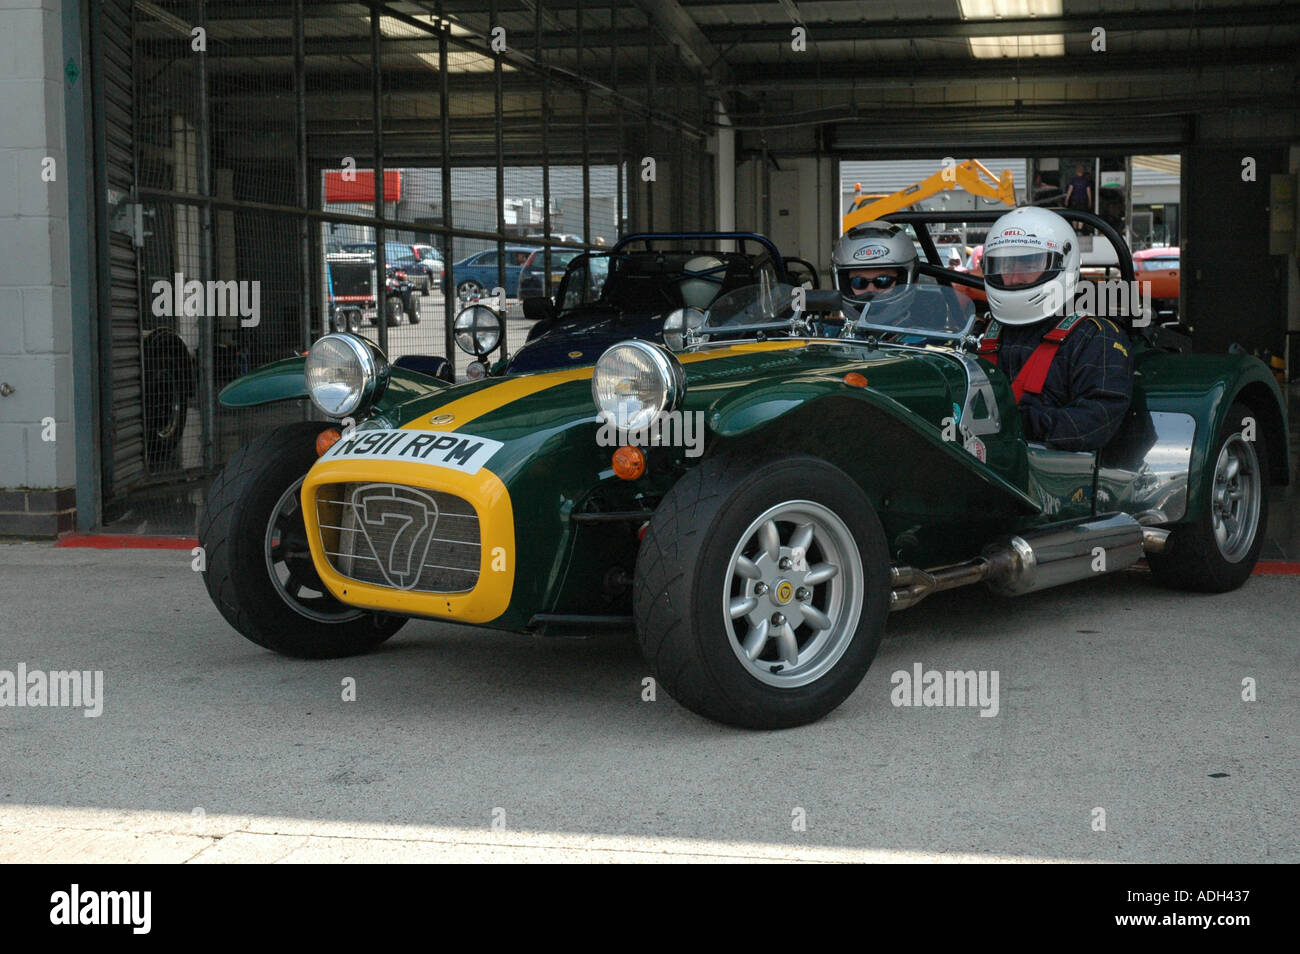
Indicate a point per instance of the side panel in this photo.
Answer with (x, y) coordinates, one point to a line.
(936, 501)
(1205, 387)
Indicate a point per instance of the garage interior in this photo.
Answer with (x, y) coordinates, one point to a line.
(222, 132)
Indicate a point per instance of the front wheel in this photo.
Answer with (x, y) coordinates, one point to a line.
(469, 289)
(762, 590)
(259, 568)
(1217, 550)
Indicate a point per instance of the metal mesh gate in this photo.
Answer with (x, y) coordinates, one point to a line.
(287, 168)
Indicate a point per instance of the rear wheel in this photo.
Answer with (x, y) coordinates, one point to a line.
(1217, 550)
(393, 308)
(469, 289)
(762, 590)
(259, 568)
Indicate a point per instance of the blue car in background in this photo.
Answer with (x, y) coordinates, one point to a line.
(476, 275)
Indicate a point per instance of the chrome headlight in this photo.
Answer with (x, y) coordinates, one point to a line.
(478, 330)
(345, 374)
(678, 323)
(635, 381)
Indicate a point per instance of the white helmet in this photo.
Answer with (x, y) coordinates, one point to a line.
(700, 292)
(873, 245)
(1030, 265)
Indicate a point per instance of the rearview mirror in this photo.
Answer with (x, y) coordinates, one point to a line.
(538, 308)
(824, 301)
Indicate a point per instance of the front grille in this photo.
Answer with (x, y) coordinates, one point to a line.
(407, 538)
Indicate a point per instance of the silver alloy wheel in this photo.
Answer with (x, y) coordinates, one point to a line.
(794, 594)
(1235, 499)
(288, 561)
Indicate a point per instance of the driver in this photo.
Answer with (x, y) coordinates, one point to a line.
(1071, 373)
(875, 263)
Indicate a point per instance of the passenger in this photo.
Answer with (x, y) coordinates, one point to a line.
(1072, 374)
(875, 267)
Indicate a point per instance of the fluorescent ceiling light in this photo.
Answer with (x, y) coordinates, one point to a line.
(986, 47)
(458, 60)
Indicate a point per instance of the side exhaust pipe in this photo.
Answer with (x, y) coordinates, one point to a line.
(1036, 559)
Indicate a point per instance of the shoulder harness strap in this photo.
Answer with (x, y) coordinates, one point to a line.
(988, 346)
(1033, 375)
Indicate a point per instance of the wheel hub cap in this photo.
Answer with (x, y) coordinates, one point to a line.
(1235, 499)
(795, 591)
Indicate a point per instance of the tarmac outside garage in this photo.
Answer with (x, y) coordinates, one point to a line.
(1123, 730)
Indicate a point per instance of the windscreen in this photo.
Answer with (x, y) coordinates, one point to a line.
(926, 312)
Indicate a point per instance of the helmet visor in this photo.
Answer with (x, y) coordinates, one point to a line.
(1015, 267)
(865, 284)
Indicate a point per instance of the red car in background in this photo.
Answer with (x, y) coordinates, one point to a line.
(1159, 266)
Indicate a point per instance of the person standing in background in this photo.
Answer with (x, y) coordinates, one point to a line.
(1079, 193)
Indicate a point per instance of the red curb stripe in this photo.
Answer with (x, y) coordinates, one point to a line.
(126, 541)
(1277, 568)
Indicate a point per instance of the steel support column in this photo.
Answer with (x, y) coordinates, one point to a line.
(207, 335)
(381, 232)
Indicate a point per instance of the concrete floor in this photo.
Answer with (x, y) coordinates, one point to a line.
(1113, 695)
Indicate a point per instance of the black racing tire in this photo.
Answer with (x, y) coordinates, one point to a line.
(684, 580)
(338, 321)
(169, 376)
(233, 533)
(393, 307)
(355, 323)
(1193, 559)
(412, 308)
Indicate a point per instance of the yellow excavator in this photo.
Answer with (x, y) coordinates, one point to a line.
(970, 176)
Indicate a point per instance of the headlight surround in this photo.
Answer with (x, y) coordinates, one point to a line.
(678, 323)
(635, 381)
(345, 374)
(477, 329)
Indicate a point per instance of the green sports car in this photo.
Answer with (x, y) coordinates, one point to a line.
(753, 504)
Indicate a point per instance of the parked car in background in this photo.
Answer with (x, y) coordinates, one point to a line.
(476, 275)
(425, 273)
(392, 250)
(422, 264)
(532, 280)
(1160, 267)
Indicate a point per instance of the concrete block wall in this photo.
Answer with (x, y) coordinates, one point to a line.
(37, 447)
